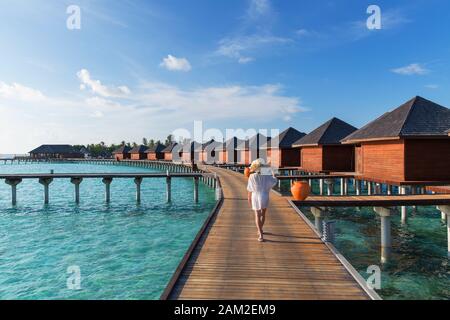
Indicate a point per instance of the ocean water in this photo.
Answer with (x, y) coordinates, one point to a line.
(122, 250)
(418, 267)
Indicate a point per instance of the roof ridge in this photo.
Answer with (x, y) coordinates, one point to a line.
(326, 128)
(413, 103)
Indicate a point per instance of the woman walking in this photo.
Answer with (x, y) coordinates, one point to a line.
(259, 185)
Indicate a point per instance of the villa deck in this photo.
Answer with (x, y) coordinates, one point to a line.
(228, 262)
(375, 201)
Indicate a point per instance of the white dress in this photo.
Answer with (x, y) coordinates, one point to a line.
(260, 186)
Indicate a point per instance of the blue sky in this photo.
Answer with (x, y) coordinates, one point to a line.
(145, 68)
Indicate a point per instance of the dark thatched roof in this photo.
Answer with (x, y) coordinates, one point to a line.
(139, 149)
(418, 117)
(285, 139)
(157, 147)
(329, 133)
(122, 149)
(55, 149)
(192, 146)
(233, 143)
(258, 140)
(170, 147)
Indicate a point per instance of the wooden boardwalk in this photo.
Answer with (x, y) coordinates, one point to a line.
(229, 263)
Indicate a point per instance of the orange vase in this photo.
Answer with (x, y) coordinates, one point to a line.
(300, 190)
(247, 172)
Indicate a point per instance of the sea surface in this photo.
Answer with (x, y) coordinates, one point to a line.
(418, 267)
(94, 250)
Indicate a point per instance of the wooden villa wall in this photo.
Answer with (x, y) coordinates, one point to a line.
(192, 155)
(382, 160)
(289, 157)
(311, 158)
(358, 159)
(427, 159)
(231, 156)
(338, 158)
(155, 156)
(168, 156)
(244, 157)
(121, 156)
(212, 156)
(138, 156)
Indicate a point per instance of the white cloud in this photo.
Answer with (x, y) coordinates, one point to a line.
(154, 108)
(176, 64)
(412, 69)
(432, 86)
(234, 102)
(98, 88)
(17, 91)
(239, 48)
(303, 32)
(258, 8)
(98, 102)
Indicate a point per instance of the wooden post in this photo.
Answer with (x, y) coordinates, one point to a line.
(169, 189)
(389, 189)
(107, 181)
(358, 187)
(403, 209)
(196, 189)
(138, 182)
(13, 183)
(446, 210)
(77, 182)
(46, 183)
(318, 218)
(369, 188)
(386, 239)
(330, 186)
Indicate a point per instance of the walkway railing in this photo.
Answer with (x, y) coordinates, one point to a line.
(172, 170)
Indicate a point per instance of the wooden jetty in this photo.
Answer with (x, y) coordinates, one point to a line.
(383, 206)
(375, 201)
(227, 262)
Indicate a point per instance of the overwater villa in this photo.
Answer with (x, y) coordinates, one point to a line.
(191, 151)
(409, 143)
(251, 149)
(230, 150)
(170, 150)
(55, 151)
(212, 152)
(138, 153)
(322, 151)
(280, 150)
(123, 153)
(156, 152)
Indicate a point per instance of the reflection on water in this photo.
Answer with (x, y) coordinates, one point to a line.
(418, 267)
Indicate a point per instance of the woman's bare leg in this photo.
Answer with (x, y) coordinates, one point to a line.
(258, 214)
(263, 217)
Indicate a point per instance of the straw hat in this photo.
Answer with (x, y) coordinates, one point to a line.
(256, 165)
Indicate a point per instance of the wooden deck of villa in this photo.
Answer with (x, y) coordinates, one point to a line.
(375, 201)
(229, 263)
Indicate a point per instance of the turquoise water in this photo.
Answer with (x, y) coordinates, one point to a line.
(123, 250)
(418, 267)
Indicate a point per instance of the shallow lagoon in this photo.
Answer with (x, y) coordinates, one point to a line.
(123, 250)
